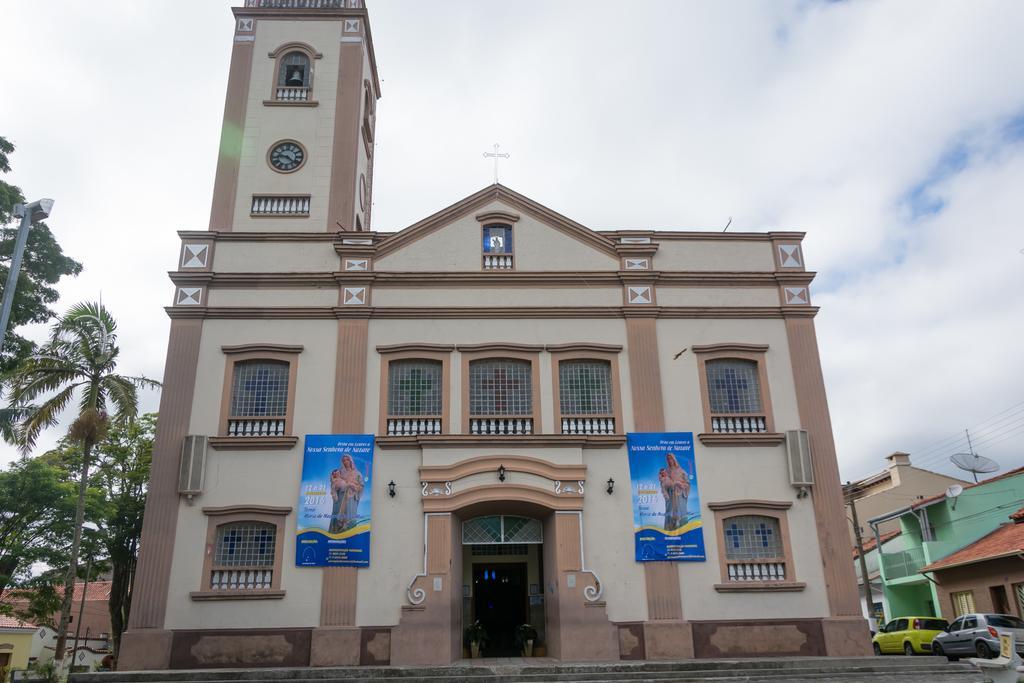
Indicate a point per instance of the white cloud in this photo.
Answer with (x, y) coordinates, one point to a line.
(798, 115)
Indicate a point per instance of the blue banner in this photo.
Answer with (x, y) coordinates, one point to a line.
(666, 500)
(333, 527)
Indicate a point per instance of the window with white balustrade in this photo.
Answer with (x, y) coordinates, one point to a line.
(735, 393)
(244, 553)
(415, 402)
(259, 398)
(293, 75)
(501, 396)
(586, 401)
(754, 547)
(497, 247)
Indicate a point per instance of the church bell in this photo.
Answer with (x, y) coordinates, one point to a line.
(295, 78)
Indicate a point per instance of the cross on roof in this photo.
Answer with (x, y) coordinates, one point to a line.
(496, 155)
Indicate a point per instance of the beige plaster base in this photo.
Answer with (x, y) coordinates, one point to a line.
(846, 636)
(335, 646)
(145, 650)
(422, 638)
(668, 640)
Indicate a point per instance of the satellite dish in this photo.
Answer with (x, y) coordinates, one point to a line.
(954, 490)
(975, 464)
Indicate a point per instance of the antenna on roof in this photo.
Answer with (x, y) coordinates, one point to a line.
(953, 492)
(730, 223)
(974, 463)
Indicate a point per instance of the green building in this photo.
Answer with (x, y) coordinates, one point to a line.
(934, 528)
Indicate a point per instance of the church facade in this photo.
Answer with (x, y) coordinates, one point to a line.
(503, 358)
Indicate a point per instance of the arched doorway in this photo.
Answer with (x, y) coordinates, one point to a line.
(503, 576)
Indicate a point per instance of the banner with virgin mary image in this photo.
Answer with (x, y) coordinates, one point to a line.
(666, 499)
(333, 527)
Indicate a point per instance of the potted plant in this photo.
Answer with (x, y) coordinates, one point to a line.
(526, 634)
(476, 636)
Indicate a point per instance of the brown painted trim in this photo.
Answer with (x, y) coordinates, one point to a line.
(532, 441)
(341, 203)
(232, 359)
(252, 443)
(205, 270)
(758, 439)
(153, 574)
(500, 347)
(246, 510)
(592, 347)
(262, 348)
(706, 235)
(220, 518)
(725, 511)
(586, 352)
(495, 351)
(645, 375)
(396, 353)
(227, 236)
(827, 494)
(210, 596)
(475, 201)
(288, 103)
(664, 596)
(295, 46)
(748, 352)
(504, 493)
(730, 347)
(415, 347)
(512, 463)
(747, 503)
(760, 587)
(225, 185)
(497, 216)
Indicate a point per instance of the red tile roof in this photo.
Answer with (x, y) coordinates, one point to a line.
(14, 622)
(1006, 541)
(869, 544)
(97, 590)
(1018, 515)
(926, 501)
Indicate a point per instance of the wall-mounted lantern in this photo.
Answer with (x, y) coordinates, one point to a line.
(611, 486)
(391, 488)
(501, 473)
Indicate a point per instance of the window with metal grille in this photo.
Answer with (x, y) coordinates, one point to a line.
(414, 387)
(294, 70)
(501, 529)
(963, 602)
(245, 544)
(752, 537)
(585, 387)
(497, 239)
(259, 388)
(500, 387)
(733, 386)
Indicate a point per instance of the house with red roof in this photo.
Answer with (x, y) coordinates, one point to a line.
(15, 644)
(948, 541)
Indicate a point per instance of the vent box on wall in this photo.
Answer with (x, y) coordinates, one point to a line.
(798, 448)
(193, 466)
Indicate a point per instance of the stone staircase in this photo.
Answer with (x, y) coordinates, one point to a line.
(768, 670)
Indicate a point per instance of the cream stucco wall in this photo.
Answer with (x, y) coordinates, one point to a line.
(498, 297)
(323, 296)
(718, 296)
(458, 247)
(714, 255)
(311, 126)
(275, 257)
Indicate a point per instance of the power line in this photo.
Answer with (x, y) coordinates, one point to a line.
(988, 440)
(959, 437)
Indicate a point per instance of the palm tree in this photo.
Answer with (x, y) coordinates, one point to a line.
(78, 362)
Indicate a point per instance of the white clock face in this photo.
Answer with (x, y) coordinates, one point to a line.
(287, 157)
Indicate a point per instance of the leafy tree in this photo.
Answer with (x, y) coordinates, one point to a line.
(78, 362)
(37, 507)
(44, 265)
(123, 462)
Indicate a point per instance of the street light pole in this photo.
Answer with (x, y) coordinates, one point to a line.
(29, 214)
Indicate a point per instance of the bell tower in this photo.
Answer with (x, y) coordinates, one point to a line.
(296, 149)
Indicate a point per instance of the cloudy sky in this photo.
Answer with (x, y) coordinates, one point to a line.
(892, 132)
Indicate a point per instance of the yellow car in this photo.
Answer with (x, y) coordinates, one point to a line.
(909, 635)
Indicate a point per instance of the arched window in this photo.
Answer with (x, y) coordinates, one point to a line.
(294, 70)
(501, 396)
(259, 398)
(415, 390)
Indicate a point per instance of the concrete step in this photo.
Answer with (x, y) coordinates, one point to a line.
(775, 670)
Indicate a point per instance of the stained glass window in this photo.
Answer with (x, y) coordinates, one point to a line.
(245, 544)
(585, 387)
(260, 388)
(733, 386)
(500, 387)
(497, 239)
(752, 537)
(414, 387)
